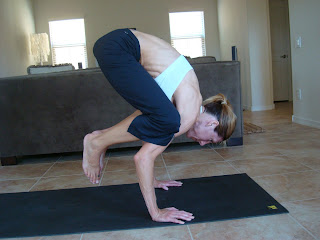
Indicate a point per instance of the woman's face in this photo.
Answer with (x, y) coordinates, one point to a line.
(202, 130)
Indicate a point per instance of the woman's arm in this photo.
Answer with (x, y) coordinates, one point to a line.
(188, 101)
(144, 161)
(189, 111)
(187, 121)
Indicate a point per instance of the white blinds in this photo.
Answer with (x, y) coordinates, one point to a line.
(188, 33)
(68, 42)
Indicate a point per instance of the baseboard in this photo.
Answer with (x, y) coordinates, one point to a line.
(245, 108)
(262, 108)
(306, 122)
(258, 108)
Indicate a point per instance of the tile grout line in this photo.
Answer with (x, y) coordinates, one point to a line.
(297, 154)
(234, 167)
(14, 179)
(43, 175)
(99, 185)
(227, 162)
(305, 165)
(190, 233)
(59, 158)
(63, 175)
(197, 163)
(302, 226)
(270, 175)
(68, 161)
(125, 170)
(211, 146)
(185, 150)
(309, 170)
(302, 200)
(104, 169)
(300, 163)
(255, 158)
(165, 165)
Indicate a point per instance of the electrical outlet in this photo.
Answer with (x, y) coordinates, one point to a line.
(298, 42)
(298, 94)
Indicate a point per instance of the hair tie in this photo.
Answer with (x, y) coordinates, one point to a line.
(223, 102)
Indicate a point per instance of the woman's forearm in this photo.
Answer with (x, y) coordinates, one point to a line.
(145, 172)
(144, 161)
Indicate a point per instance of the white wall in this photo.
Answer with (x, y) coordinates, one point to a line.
(16, 25)
(233, 31)
(151, 16)
(260, 55)
(245, 24)
(304, 21)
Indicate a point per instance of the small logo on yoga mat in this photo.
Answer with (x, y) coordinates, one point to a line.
(273, 207)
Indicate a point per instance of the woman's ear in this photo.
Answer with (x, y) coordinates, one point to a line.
(213, 123)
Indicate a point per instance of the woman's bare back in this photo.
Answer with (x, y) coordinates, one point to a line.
(156, 56)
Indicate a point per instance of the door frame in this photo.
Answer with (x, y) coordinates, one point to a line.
(289, 52)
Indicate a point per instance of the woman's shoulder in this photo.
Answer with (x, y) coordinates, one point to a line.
(189, 87)
(187, 97)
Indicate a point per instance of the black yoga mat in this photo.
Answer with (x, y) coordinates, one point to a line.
(119, 207)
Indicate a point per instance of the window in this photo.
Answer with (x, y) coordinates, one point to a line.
(68, 42)
(187, 33)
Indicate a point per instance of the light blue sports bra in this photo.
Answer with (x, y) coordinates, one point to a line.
(170, 78)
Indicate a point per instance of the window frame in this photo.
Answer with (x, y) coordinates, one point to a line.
(192, 36)
(56, 46)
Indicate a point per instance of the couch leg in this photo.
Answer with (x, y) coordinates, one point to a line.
(5, 161)
(235, 141)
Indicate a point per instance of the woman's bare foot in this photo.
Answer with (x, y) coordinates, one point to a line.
(91, 163)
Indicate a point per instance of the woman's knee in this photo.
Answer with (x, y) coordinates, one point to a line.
(95, 49)
(137, 157)
(98, 49)
(148, 152)
(142, 157)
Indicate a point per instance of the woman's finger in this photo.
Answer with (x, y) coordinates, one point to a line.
(174, 220)
(188, 213)
(175, 184)
(172, 184)
(183, 217)
(185, 213)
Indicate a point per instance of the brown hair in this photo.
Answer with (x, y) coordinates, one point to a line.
(220, 107)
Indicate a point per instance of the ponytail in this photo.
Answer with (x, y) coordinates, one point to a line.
(221, 108)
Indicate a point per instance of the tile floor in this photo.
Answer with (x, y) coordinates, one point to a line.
(284, 161)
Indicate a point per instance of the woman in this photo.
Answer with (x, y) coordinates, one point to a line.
(155, 79)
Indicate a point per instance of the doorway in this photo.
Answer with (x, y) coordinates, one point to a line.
(281, 52)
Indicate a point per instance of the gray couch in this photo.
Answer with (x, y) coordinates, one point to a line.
(51, 113)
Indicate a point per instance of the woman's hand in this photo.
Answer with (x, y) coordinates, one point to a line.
(172, 215)
(165, 184)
